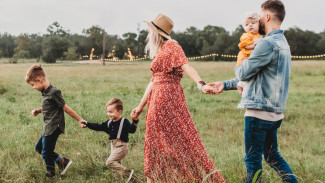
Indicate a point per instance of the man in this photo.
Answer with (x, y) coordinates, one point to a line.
(267, 73)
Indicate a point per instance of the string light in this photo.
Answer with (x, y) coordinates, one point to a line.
(202, 56)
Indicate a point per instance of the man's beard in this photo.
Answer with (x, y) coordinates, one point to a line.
(261, 29)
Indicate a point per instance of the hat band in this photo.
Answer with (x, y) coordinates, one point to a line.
(159, 28)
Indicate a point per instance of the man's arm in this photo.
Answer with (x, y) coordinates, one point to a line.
(261, 56)
(230, 84)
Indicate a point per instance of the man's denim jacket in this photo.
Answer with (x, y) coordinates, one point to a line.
(267, 73)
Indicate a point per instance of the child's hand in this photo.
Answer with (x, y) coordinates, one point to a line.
(134, 118)
(250, 47)
(239, 89)
(83, 123)
(35, 112)
(209, 89)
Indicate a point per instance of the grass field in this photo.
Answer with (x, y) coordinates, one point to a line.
(87, 87)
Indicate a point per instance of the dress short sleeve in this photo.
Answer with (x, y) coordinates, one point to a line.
(172, 57)
(58, 98)
(178, 55)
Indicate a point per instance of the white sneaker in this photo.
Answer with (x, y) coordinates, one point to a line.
(130, 175)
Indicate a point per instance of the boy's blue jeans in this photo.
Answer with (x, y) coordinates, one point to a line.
(261, 138)
(45, 146)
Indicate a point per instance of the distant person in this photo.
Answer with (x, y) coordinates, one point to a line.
(267, 73)
(118, 129)
(53, 108)
(173, 150)
(248, 42)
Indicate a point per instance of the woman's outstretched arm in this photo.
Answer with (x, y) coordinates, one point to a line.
(138, 110)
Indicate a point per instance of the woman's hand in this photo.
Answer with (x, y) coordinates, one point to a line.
(136, 113)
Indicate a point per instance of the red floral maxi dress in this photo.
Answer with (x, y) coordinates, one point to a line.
(173, 149)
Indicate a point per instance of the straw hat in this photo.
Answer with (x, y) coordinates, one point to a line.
(162, 24)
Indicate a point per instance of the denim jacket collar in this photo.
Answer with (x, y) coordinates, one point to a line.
(275, 32)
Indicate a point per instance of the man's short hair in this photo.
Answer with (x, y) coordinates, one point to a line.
(276, 7)
(117, 102)
(34, 72)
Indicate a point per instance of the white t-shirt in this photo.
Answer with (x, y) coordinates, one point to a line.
(264, 115)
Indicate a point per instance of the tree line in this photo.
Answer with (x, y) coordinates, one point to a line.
(59, 43)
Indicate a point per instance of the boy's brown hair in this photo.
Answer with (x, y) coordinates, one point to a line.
(34, 72)
(276, 7)
(117, 102)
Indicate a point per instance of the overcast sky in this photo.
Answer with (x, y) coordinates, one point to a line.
(121, 16)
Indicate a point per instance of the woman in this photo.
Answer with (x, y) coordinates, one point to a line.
(173, 150)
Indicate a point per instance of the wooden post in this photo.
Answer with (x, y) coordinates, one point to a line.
(103, 56)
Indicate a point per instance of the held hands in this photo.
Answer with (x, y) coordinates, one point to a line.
(83, 123)
(213, 88)
(35, 112)
(208, 89)
(136, 113)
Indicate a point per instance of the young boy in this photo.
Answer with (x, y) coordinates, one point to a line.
(52, 109)
(118, 129)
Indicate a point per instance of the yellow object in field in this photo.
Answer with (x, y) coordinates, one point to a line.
(91, 54)
(130, 54)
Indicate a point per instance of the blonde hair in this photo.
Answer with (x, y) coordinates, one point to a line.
(253, 15)
(117, 102)
(154, 42)
(34, 72)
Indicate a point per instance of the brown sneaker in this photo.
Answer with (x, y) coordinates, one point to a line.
(64, 164)
(50, 174)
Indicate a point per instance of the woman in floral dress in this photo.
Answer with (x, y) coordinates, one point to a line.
(173, 149)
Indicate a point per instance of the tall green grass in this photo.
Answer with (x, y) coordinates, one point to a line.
(86, 89)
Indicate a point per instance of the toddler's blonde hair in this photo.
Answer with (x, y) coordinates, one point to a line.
(255, 16)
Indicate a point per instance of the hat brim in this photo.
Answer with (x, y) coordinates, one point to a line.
(159, 31)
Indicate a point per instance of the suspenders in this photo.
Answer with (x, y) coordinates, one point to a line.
(119, 129)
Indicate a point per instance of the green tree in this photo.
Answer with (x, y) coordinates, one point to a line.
(7, 45)
(55, 43)
(81, 43)
(23, 54)
(35, 45)
(22, 46)
(71, 54)
(234, 39)
(302, 42)
(53, 48)
(321, 43)
(141, 42)
(208, 37)
(56, 29)
(95, 37)
(131, 42)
